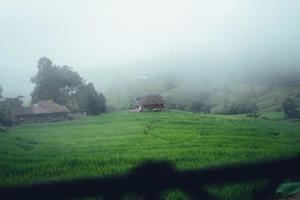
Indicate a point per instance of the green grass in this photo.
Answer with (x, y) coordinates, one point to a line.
(114, 143)
(273, 116)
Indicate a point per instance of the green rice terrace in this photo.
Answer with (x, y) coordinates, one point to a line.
(116, 142)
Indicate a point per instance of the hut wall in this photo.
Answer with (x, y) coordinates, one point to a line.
(153, 107)
(49, 117)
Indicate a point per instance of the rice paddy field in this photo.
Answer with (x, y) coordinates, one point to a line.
(114, 143)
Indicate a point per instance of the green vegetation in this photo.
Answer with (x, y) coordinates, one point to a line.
(5, 106)
(289, 108)
(235, 98)
(278, 116)
(288, 189)
(116, 142)
(66, 87)
(203, 96)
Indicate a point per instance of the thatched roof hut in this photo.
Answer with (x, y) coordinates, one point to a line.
(22, 110)
(41, 111)
(151, 102)
(48, 106)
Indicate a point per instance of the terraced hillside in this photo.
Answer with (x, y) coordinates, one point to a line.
(116, 142)
(267, 98)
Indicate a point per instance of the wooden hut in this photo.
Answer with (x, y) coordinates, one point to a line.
(151, 103)
(42, 111)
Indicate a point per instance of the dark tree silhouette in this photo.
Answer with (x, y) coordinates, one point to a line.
(289, 108)
(1, 92)
(90, 100)
(66, 87)
(54, 82)
(5, 108)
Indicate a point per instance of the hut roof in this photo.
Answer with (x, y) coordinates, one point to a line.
(152, 99)
(22, 110)
(48, 106)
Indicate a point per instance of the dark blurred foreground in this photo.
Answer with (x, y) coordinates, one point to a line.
(151, 179)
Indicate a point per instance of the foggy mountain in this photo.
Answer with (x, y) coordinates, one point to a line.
(126, 50)
(184, 77)
(194, 72)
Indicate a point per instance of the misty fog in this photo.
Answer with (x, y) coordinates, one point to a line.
(117, 44)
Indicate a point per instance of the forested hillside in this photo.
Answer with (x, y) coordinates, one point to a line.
(204, 89)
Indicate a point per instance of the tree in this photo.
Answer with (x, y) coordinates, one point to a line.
(12, 103)
(66, 87)
(54, 82)
(202, 104)
(201, 107)
(2, 112)
(240, 108)
(6, 106)
(90, 100)
(251, 108)
(289, 108)
(1, 90)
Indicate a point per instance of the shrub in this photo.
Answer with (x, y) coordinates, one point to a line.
(4, 119)
(180, 106)
(240, 108)
(171, 106)
(289, 108)
(201, 107)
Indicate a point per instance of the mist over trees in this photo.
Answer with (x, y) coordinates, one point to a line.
(2, 110)
(240, 108)
(66, 87)
(289, 108)
(6, 107)
(54, 82)
(214, 90)
(89, 100)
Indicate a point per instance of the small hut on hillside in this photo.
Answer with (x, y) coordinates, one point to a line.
(42, 111)
(151, 103)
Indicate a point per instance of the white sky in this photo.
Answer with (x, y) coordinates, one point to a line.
(97, 34)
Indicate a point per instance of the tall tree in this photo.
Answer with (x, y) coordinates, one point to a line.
(1, 90)
(2, 111)
(54, 82)
(6, 106)
(64, 86)
(90, 100)
(289, 108)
